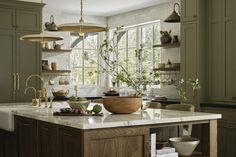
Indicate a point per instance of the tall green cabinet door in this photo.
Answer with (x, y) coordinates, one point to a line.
(216, 52)
(7, 18)
(27, 20)
(231, 55)
(189, 10)
(7, 77)
(189, 56)
(28, 63)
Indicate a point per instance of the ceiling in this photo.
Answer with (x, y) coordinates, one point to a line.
(101, 7)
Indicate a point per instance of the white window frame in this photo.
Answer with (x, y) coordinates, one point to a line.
(83, 67)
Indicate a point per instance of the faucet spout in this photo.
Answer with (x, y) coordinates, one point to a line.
(25, 92)
(37, 76)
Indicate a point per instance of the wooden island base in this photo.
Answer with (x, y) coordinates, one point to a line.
(40, 139)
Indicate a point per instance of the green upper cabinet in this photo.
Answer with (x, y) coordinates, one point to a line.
(216, 51)
(7, 79)
(230, 22)
(19, 59)
(194, 46)
(189, 56)
(27, 20)
(7, 18)
(189, 10)
(222, 57)
(27, 53)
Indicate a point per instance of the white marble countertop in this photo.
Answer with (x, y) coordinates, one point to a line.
(148, 117)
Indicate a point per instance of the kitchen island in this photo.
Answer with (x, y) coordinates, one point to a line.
(40, 134)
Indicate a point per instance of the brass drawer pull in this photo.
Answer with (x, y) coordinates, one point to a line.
(18, 81)
(14, 82)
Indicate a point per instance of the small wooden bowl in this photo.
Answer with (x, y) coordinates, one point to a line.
(122, 105)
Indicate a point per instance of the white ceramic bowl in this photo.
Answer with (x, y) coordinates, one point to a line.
(184, 145)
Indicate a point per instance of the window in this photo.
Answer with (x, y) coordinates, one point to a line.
(130, 39)
(84, 72)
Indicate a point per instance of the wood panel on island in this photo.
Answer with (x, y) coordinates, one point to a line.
(47, 139)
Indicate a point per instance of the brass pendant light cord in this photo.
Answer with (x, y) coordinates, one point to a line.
(81, 12)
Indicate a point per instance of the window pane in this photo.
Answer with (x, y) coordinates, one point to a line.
(147, 41)
(77, 75)
(122, 57)
(90, 76)
(122, 41)
(147, 37)
(132, 41)
(78, 41)
(132, 60)
(76, 58)
(93, 58)
(91, 42)
(157, 34)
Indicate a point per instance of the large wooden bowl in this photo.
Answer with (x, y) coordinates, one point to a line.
(122, 105)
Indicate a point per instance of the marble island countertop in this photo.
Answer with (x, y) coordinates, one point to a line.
(148, 117)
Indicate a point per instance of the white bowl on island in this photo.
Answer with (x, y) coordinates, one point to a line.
(184, 145)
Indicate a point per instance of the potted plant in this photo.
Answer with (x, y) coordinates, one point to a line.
(182, 93)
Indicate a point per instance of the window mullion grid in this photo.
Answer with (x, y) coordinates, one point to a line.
(153, 51)
(140, 38)
(98, 59)
(83, 65)
(127, 50)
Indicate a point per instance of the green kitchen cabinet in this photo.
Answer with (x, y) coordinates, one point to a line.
(7, 18)
(189, 55)
(19, 59)
(230, 20)
(226, 130)
(222, 71)
(216, 52)
(189, 10)
(193, 46)
(27, 20)
(8, 73)
(27, 54)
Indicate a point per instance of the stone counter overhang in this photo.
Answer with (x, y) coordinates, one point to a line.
(148, 117)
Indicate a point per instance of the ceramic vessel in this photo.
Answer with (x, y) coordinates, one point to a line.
(78, 104)
(184, 145)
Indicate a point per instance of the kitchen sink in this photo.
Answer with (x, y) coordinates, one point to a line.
(7, 118)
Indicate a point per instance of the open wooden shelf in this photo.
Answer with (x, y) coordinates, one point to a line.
(167, 69)
(166, 46)
(55, 71)
(56, 50)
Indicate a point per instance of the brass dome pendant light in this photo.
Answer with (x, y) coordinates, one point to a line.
(174, 17)
(81, 27)
(41, 38)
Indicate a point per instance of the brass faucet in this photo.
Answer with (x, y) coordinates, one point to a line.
(35, 101)
(42, 92)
